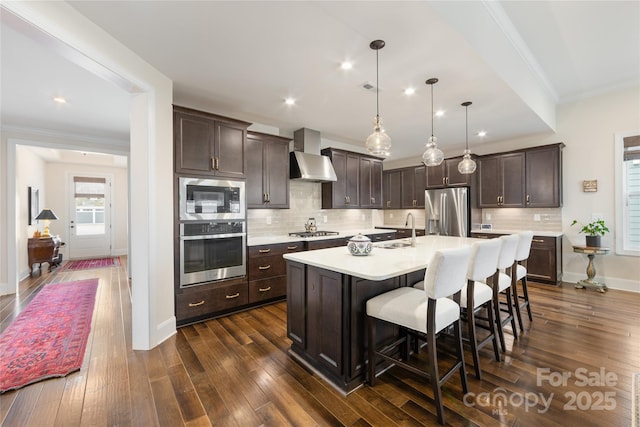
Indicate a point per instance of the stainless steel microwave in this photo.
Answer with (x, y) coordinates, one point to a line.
(211, 199)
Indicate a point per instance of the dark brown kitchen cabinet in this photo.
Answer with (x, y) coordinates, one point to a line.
(392, 184)
(201, 302)
(413, 181)
(353, 188)
(370, 183)
(267, 171)
(501, 181)
(207, 144)
(545, 260)
(544, 177)
(446, 175)
(267, 270)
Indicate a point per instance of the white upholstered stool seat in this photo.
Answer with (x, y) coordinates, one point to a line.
(425, 312)
(408, 307)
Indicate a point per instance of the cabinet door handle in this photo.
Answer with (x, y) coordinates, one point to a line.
(196, 304)
(538, 241)
(268, 288)
(528, 199)
(264, 267)
(264, 197)
(213, 163)
(373, 200)
(443, 180)
(446, 180)
(236, 295)
(264, 251)
(291, 248)
(217, 163)
(388, 203)
(346, 200)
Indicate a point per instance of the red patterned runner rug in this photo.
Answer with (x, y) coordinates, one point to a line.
(49, 337)
(87, 264)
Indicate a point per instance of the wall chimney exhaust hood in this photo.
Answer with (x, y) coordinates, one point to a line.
(305, 162)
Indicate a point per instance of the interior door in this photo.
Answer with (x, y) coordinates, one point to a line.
(89, 217)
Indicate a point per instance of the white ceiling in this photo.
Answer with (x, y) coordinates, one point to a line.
(514, 60)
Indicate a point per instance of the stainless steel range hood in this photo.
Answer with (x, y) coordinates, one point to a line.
(306, 163)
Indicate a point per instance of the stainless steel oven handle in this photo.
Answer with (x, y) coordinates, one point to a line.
(213, 236)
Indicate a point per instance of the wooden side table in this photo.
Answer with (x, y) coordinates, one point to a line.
(43, 249)
(591, 252)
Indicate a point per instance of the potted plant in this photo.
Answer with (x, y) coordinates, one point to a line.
(594, 231)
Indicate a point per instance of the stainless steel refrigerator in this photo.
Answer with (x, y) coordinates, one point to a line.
(448, 211)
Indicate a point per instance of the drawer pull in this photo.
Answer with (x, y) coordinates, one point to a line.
(538, 240)
(264, 267)
(236, 295)
(482, 237)
(264, 251)
(268, 288)
(291, 248)
(196, 304)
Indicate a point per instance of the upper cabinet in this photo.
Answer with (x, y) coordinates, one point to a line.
(413, 183)
(370, 182)
(392, 185)
(544, 177)
(446, 175)
(359, 183)
(267, 171)
(526, 178)
(501, 181)
(207, 144)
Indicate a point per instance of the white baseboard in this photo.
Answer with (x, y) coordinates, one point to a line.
(166, 330)
(611, 282)
(5, 289)
(119, 252)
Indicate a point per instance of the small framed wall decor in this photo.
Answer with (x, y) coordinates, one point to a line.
(590, 186)
(34, 205)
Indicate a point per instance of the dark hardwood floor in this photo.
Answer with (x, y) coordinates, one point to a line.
(235, 371)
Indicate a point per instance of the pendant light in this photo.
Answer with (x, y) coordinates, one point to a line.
(432, 156)
(467, 165)
(378, 143)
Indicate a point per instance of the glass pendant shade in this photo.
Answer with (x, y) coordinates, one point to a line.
(432, 156)
(467, 165)
(378, 143)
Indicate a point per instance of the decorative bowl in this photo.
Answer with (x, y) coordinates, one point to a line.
(360, 245)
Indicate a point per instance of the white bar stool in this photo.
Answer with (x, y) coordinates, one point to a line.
(522, 255)
(424, 312)
(502, 284)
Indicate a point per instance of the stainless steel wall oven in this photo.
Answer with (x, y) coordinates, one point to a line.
(212, 250)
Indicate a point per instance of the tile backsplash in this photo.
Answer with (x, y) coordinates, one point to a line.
(305, 201)
(535, 219)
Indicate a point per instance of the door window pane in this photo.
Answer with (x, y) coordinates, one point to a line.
(89, 206)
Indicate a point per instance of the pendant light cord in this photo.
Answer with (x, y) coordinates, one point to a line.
(466, 129)
(377, 88)
(432, 110)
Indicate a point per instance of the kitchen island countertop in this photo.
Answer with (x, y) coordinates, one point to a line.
(381, 263)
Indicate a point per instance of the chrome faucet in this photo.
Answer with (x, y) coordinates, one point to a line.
(413, 228)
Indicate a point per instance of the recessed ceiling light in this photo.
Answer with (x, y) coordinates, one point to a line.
(409, 91)
(60, 99)
(439, 113)
(346, 65)
(290, 101)
(482, 133)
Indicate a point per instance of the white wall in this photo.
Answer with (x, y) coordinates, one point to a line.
(30, 172)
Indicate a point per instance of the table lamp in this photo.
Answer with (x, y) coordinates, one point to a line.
(47, 215)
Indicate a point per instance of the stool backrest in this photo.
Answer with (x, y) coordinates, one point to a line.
(524, 245)
(444, 275)
(484, 259)
(508, 250)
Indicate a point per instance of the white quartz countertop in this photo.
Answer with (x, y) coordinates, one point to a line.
(381, 263)
(503, 231)
(285, 238)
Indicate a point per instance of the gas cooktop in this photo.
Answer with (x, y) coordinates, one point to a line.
(313, 233)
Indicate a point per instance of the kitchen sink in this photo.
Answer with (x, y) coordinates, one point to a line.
(394, 245)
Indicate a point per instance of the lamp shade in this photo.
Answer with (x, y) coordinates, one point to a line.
(47, 214)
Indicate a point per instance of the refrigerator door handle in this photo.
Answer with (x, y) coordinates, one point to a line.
(444, 223)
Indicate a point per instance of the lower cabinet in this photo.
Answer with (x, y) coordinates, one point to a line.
(200, 302)
(545, 258)
(267, 271)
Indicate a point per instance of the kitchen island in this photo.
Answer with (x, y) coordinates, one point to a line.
(327, 290)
